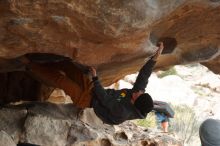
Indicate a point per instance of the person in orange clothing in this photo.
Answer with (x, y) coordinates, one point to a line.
(111, 106)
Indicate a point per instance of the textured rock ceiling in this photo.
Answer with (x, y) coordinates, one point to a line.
(116, 36)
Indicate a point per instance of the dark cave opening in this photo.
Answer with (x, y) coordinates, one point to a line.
(17, 84)
(170, 43)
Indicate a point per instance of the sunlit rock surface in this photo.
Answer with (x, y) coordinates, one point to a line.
(5, 139)
(58, 125)
(115, 36)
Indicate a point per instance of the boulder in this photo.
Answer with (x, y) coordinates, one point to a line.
(5, 139)
(114, 36)
(62, 124)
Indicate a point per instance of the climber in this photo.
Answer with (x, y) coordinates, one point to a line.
(111, 106)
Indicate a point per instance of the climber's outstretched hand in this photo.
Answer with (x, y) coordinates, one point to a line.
(158, 52)
(92, 71)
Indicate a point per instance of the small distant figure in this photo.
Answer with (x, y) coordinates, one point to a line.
(163, 112)
(209, 132)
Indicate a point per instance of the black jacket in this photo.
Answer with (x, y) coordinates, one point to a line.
(114, 106)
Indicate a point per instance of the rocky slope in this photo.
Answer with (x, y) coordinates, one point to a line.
(48, 124)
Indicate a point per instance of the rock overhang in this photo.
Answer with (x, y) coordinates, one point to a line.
(116, 37)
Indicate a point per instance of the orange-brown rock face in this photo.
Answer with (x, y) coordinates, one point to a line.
(115, 36)
(195, 27)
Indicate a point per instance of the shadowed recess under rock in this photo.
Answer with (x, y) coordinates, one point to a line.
(120, 136)
(17, 84)
(169, 43)
(215, 0)
(196, 54)
(106, 142)
(26, 144)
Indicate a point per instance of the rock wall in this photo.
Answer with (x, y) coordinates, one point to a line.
(115, 36)
(48, 124)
